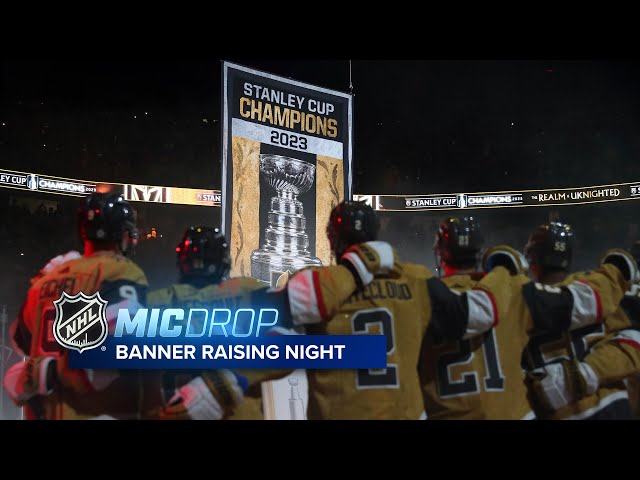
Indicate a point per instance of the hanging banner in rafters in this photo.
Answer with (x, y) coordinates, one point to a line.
(286, 162)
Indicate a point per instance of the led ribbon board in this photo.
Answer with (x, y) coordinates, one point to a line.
(137, 193)
(514, 198)
(391, 203)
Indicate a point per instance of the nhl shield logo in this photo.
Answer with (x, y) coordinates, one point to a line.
(81, 321)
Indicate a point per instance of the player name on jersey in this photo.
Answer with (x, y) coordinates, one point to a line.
(380, 289)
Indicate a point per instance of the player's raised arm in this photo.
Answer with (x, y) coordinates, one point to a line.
(583, 299)
(315, 294)
(617, 356)
(458, 315)
(612, 359)
(107, 226)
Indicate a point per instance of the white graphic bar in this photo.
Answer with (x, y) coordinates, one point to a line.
(491, 199)
(286, 139)
(8, 178)
(433, 202)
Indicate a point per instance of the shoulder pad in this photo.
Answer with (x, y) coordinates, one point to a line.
(415, 270)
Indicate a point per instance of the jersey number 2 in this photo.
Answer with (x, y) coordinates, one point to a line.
(385, 377)
(493, 381)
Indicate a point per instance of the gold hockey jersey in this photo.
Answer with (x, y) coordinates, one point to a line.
(400, 306)
(618, 356)
(334, 284)
(628, 343)
(480, 377)
(123, 285)
(615, 348)
(477, 378)
(233, 294)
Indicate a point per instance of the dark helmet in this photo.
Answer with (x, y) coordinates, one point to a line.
(351, 223)
(106, 217)
(550, 246)
(458, 242)
(203, 254)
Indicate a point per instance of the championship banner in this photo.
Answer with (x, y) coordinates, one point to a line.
(286, 164)
(135, 193)
(515, 198)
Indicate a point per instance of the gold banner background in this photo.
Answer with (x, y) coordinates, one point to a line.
(329, 193)
(245, 215)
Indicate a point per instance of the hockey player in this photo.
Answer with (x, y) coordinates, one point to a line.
(389, 304)
(203, 262)
(480, 377)
(583, 379)
(404, 303)
(400, 305)
(29, 382)
(213, 394)
(457, 247)
(44, 383)
(633, 382)
(311, 298)
(470, 378)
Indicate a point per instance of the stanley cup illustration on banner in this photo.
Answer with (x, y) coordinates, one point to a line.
(286, 247)
(286, 162)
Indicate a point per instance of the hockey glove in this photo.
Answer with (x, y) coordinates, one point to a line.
(505, 256)
(624, 261)
(558, 385)
(365, 260)
(56, 262)
(26, 379)
(211, 396)
(81, 380)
